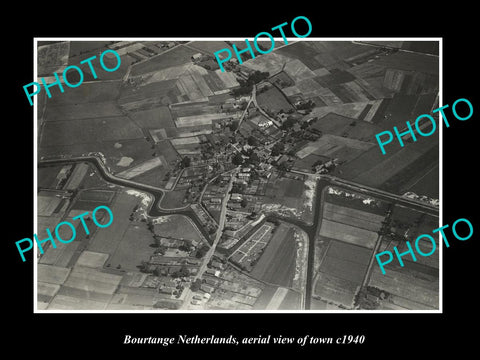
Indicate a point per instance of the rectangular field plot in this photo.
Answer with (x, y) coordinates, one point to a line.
(349, 252)
(89, 131)
(52, 274)
(298, 71)
(92, 259)
(334, 289)
(103, 196)
(149, 96)
(141, 168)
(135, 245)
(344, 269)
(46, 291)
(158, 117)
(348, 233)
(392, 170)
(60, 256)
(407, 285)
(273, 100)
(354, 217)
(47, 204)
(93, 280)
(196, 120)
(176, 56)
(82, 111)
(272, 63)
(63, 302)
(107, 240)
(88, 92)
(329, 144)
(277, 263)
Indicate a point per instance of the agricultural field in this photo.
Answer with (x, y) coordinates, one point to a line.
(73, 295)
(348, 233)
(52, 57)
(178, 227)
(208, 47)
(155, 177)
(334, 289)
(248, 253)
(176, 56)
(135, 245)
(160, 106)
(344, 246)
(407, 162)
(358, 218)
(66, 112)
(149, 96)
(141, 168)
(174, 199)
(284, 191)
(82, 47)
(155, 118)
(90, 199)
(110, 61)
(273, 100)
(277, 263)
(360, 90)
(90, 131)
(333, 146)
(108, 239)
(413, 285)
(339, 125)
(352, 200)
(421, 176)
(89, 92)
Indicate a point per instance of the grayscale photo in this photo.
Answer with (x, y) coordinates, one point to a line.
(167, 182)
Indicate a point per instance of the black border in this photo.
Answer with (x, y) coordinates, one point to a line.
(84, 334)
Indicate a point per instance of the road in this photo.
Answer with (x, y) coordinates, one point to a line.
(254, 90)
(254, 98)
(380, 194)
(208, 256)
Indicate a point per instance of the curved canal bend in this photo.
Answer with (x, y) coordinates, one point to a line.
(155, 210)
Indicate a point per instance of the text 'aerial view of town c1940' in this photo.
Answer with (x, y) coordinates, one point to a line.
(261, 187)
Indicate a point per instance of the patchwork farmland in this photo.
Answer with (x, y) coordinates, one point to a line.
(346, 240)
(265, 136)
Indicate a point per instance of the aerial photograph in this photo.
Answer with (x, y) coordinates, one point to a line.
(258, 188)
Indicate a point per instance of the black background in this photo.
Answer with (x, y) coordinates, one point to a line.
(68, 335)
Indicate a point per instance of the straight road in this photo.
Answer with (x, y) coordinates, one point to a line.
(208, 256)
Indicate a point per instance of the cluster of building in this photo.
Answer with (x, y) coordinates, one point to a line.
(423, 198)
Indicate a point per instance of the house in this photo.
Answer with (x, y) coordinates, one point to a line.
(193, 261)
(211, 282)
(212, 272)
(234, 206)
(236, 197)
(265, 123)
(217, 264)
(207, 288)
(197, 56)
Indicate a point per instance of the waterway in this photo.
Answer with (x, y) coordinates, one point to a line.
(310, 229)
